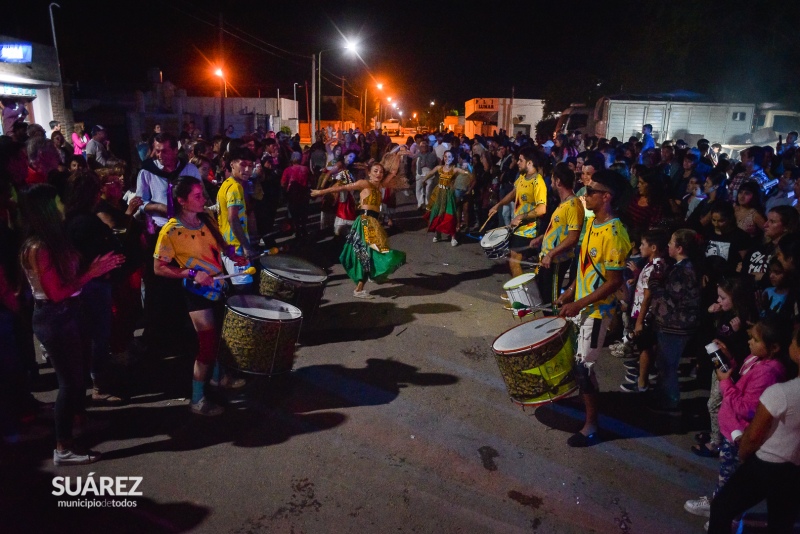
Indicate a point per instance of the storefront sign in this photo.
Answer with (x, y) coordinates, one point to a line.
(485, 104)
(10, 90)
(15, 52)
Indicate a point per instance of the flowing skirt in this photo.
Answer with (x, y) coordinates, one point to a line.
(360, 258)
(442, 214)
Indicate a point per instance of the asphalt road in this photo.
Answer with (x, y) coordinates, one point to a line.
(395, 419)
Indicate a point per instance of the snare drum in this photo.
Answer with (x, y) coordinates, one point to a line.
(259, 335)
(536, 359)
(293, 280)
(495, 243)
(523, 289)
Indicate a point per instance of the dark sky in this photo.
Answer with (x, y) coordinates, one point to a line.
(448, 51)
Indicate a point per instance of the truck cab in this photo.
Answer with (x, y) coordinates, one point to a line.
(577, 117)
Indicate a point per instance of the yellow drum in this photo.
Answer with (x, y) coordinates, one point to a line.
(536, 359)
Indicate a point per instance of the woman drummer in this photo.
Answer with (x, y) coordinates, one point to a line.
(190, 247)
(366, 252)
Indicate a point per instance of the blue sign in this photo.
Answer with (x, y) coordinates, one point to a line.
(10, 90)
(16, 52)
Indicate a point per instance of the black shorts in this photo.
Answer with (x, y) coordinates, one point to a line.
(519, 244)
(195, 302)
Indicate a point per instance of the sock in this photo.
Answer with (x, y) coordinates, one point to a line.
(216, 375)
(197, 391)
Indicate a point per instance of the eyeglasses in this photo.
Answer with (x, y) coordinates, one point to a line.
(592, 190)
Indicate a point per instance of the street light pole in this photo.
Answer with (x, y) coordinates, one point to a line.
(313, 115)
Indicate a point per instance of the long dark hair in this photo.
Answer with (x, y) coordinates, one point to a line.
(84, 189)
(44, 229)
(183, 187)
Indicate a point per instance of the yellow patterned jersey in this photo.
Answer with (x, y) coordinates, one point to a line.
(567, 217)
(191, 249)
(605, 248)
(231, 194)
(529, 194)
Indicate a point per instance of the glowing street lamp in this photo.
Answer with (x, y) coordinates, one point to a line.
(221, 74)
(348, 45)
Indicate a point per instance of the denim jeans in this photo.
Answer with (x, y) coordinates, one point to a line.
(505, 215)
(57, 326)
(96, 316)
(670, 350)
(424, 191)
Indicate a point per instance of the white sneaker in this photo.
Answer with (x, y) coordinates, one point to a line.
(435, 239)
(205, 407)
(67, 457)
(363, 294)
(454, 242)
(701, 506)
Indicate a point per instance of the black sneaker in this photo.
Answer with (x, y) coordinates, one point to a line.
(632, 365)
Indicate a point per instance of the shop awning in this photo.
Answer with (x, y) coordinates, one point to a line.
(483, 116)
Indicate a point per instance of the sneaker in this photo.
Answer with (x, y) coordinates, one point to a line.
(454, 242)
(205, 407)
(705, 526)
(363, 294)
(701, 506)
(631, 365)
(435, 239)
(632, 376)
(67, 457)
(633, 388)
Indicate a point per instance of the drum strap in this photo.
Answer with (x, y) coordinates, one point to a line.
(589, 257)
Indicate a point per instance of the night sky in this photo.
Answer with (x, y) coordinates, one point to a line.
(447, 51)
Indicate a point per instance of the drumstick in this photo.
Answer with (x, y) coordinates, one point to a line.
(249, 270)
(484, 225)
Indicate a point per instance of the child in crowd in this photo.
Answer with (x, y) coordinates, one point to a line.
(761, 369)
(777, 299)
(770, 459)
(730, 315)
(653, 249)
(676, 309)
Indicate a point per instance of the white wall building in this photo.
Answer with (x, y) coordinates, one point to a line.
(486, 116)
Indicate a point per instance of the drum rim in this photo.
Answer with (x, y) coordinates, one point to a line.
(291, 281)
(499, 243)
(556, 398)
(532, 277)
(265, 268)
(243, 314)
(528, 347)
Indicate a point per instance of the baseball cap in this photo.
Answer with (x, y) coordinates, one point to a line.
(97, 128)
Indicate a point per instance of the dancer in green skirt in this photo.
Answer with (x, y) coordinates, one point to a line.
(366, 252)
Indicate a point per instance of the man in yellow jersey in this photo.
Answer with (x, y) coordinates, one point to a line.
(591, 296)
(559, 240)
(233, 217)
(530, 200)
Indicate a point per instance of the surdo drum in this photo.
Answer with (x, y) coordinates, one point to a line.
(536, 359)
(495, 243)
(293, 280)
(259, 335)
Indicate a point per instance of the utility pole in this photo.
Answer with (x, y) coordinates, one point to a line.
(222, 91)
(342, 126)
(312, 117)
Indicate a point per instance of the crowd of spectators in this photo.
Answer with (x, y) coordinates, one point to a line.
(78, 228)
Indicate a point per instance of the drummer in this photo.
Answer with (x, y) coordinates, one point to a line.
(591, 296)
(366, 254)
(530, 197)
(190, 247)
(559, 240)
(232, 217)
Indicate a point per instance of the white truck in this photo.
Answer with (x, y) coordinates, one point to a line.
(624, 117)
(391, 127)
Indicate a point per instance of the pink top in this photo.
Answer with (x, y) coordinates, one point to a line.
(740, 400)
(79, 142)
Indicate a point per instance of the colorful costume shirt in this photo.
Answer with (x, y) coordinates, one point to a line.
(605, 248)
(530, 193)
(231, 194)
(567, 218)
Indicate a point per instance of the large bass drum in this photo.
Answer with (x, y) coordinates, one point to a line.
(536, 360)
(293, 280)
(259, 335)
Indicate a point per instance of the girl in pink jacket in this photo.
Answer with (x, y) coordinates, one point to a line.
(760, 370)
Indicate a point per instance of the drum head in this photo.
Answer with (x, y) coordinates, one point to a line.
(529, 335)
(494, 237)
(263, 308)
(294, 269)
(518, 281)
